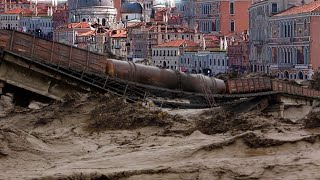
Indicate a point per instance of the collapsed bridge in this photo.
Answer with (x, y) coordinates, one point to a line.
(54, 69)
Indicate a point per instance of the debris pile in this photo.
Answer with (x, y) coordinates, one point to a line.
(116, 114)
(224, 121)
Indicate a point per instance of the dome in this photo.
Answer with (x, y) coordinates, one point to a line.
(90, 3)
(131, 7)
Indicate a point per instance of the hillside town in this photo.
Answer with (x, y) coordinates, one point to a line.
(274, 37)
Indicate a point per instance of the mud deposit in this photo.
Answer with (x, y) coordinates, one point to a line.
(100, 137)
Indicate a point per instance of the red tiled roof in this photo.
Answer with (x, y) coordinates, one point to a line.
(179, 43)
(122, 34)
(14, 11)
(79, 25)
(310, 7)
(135, 25)
(87, 33)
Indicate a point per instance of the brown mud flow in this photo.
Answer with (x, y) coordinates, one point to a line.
(90, 136)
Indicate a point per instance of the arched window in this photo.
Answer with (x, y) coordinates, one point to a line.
(103, 22)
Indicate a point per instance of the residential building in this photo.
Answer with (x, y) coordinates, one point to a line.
(60, 16)
(238, 53)
(234, 16)
(147, 36)
(205, 62)
(219, 17)
(117, 43)
(68, 33)
(259, 15)
(167, 55)
(293, 43)
(38, 25)
(11, 19)
(7, 5)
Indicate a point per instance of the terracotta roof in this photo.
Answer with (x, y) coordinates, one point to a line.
(122, 34)
(211, 37)
(179, 43)
(79, 25)
(14, 11)
(135, 25)
(87, 33)
(310, 7)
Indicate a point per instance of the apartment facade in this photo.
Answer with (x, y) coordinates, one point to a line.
(259, 16)
(220, 16)
(238, 53)
(204, 62)
(293, 46)
(167, 55)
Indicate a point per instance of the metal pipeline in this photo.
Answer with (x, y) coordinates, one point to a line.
(164, 78)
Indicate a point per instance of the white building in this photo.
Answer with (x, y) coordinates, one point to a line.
(10, 19)
(167, 55)
(40, 25)
(207, 62)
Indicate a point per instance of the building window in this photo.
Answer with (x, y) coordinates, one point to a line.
(231, 6)
(274, 8)
(232, 26)
(305, 24)
(300, 55)
(103, 22)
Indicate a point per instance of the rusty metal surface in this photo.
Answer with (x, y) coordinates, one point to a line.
(164, 78)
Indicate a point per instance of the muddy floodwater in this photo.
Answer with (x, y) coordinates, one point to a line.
(101, 137)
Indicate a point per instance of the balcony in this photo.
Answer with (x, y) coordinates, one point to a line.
(301, 39)
(287, 40)
(286, 66)
(302, 66)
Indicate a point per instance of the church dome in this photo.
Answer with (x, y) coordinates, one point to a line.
(131, 7)
(90, 3)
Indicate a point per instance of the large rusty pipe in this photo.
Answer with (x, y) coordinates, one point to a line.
(164, 78)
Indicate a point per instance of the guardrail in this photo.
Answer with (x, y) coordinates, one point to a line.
(80, 64)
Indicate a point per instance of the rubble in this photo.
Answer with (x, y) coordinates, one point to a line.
(223, 121)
